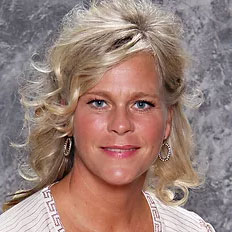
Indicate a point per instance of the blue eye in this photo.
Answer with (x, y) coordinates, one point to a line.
(97, 103)
(143, 105)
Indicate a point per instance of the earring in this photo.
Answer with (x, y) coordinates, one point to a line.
(162, 158)
(67, 147)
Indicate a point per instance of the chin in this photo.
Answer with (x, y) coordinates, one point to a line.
(119, 177)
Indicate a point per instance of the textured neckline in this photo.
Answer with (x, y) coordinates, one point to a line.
(54, 215)
(157, 224)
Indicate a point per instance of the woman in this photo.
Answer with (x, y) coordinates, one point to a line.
(108, 122)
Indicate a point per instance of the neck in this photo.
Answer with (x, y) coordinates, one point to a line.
(94, 205)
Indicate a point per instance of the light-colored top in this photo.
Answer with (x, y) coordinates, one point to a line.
(38, 213)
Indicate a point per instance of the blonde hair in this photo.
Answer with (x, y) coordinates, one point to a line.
(90, 42)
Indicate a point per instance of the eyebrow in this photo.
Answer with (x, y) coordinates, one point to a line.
(134, 95)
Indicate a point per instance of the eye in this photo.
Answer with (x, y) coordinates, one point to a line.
(143, 105)
(97, 103)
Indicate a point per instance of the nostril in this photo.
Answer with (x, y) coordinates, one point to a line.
(121, 131)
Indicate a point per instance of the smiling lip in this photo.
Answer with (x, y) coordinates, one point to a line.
(124, 151)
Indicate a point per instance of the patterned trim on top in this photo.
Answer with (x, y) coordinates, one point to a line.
(154, 211)
(51, 206)
(206, 225)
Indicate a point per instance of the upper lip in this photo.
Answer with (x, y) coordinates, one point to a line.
(122, 147)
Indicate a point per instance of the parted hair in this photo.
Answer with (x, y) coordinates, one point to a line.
(92, 39)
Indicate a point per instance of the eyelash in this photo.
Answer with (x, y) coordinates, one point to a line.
(150, 104)
(95, 100)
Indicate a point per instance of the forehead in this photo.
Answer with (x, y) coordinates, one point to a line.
(137, 73)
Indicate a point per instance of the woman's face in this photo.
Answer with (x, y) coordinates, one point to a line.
(120, 124)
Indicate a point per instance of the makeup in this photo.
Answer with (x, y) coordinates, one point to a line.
(120, 152)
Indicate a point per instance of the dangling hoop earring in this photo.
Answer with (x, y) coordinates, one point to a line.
(67, 147)
(167, 157)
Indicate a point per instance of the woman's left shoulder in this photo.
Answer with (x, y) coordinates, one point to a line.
(179, 218)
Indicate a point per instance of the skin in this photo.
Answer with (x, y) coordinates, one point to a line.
(104, 193)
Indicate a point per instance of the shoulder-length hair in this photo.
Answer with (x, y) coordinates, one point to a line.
(90, 42)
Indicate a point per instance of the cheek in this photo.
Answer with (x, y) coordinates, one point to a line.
(152, 128)
(87, 127)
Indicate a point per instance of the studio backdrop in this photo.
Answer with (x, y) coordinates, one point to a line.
(28, 26)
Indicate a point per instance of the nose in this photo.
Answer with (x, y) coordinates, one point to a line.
(120, 122)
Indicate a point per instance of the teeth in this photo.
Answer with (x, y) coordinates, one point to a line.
(120, 150)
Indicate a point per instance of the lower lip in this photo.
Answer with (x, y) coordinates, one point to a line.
(120, 155)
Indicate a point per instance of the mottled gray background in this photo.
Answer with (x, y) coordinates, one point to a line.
(26, 25)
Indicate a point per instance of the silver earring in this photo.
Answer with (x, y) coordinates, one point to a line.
(167, 157)
(67, 147)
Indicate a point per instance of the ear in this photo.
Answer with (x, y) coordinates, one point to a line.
(168, 123)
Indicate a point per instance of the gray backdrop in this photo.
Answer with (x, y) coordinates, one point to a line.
(25, 25)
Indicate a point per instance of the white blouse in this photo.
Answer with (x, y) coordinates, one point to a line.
(38, 213)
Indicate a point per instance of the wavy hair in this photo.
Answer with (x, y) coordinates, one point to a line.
(91, 41)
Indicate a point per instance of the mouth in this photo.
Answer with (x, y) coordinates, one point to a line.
(122, 151)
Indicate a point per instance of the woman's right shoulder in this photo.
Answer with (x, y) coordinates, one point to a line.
(29, 215)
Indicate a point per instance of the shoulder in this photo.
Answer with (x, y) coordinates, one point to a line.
(30, 214)
(175, 218)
